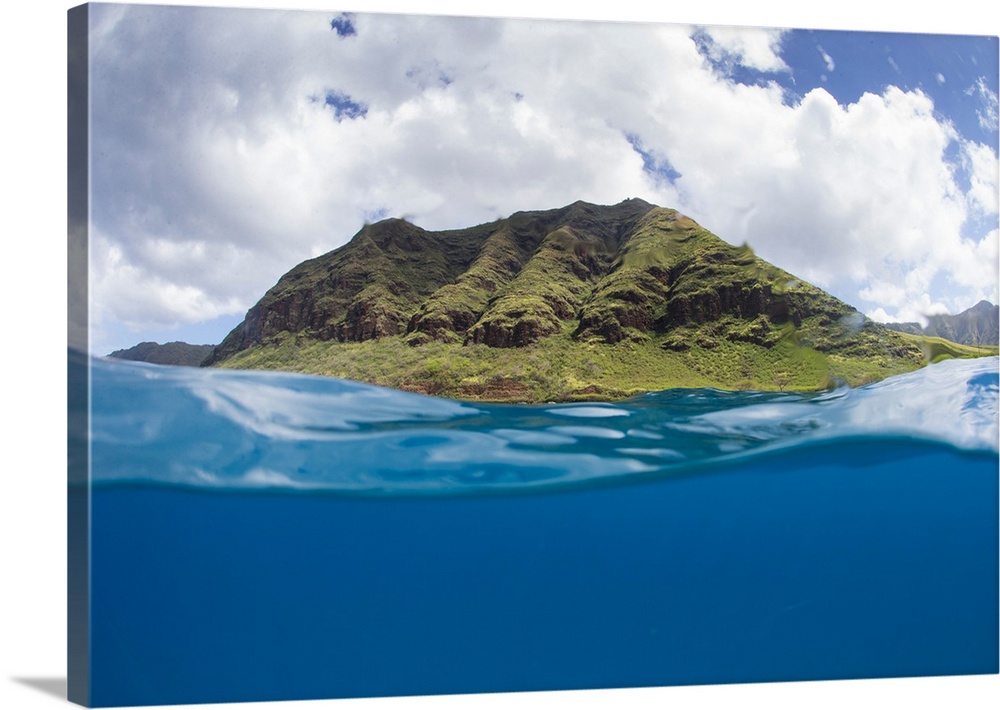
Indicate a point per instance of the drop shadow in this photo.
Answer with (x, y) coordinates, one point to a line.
(55, 687)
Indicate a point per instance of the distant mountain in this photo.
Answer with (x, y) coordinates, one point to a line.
(979, 325)
(575, 302)
(912, 328)
(175, 353)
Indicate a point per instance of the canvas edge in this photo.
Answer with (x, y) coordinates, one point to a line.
(78, 370)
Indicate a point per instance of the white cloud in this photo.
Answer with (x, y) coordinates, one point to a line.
(842, 194)
(165, 284)
(916, 310)
(888, 293)
(983, 169)
(827, 59)
(756, 48)
(989, 109)
(218, 165)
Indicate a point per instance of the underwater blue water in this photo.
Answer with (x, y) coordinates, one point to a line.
(265, 536)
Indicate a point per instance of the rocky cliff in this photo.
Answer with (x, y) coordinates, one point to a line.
(631, 280)
(610, 273)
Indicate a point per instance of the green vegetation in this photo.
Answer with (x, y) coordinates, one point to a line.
(455, 307)
(547, 291)
(579, 303)
(369, 288)
(562, 368)
(936, 349)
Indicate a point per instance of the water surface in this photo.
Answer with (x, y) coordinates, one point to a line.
(263, 536)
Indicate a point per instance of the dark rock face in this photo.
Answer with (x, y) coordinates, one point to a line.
(603, 273)
(518, 330)
(743, 300)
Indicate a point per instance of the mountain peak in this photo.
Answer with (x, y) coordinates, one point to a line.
(631, 276)
(977, 326)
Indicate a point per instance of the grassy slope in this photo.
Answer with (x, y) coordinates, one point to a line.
(561, 368)
(936, 349)
(601, 303)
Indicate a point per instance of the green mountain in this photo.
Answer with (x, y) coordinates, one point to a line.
(581, 302)
(175, 353)
(976, 326)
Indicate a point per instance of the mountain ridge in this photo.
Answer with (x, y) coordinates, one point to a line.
(370, 288)
(172, 353)
(636, 279)
(976, 326)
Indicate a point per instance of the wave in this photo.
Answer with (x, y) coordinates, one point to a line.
(239, 430)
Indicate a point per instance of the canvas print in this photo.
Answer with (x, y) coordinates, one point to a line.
(416, 355)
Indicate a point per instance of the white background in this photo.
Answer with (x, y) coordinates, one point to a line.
(32, 354)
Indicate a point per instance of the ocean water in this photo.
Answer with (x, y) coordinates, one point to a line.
(267, 536)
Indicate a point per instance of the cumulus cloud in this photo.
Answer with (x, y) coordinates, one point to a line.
(982, 167)
(229, 146)
(917, 310)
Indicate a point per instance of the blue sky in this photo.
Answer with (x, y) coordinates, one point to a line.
(849, 64)
(229, 146)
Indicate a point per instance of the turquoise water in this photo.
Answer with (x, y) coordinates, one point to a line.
(263, 536)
